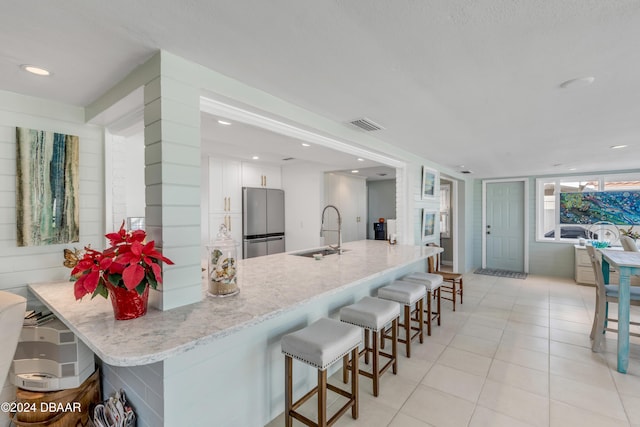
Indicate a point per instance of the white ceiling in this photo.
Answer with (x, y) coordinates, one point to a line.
(460, 82)
(243, 141)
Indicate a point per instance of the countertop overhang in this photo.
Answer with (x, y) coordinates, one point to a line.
(269, 286)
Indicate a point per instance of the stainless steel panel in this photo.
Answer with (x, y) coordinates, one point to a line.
(275, 211)
(254, 247)
(254, 207)
(275, 245)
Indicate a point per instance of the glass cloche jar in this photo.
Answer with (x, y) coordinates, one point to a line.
(222, 270)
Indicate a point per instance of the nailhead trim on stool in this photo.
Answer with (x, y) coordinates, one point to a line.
(321, 344)
(432, 282)
(372, 314)
(407, 294)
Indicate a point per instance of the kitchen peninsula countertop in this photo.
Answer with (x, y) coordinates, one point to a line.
(269, 286)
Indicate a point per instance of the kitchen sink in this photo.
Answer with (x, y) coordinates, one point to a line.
(323, 251)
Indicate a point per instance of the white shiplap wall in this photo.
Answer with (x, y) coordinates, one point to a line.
(22, 265)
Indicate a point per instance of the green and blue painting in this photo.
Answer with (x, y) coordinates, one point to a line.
(616, 207)
(47, 210)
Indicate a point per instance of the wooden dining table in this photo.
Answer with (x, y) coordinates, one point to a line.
(627, 264)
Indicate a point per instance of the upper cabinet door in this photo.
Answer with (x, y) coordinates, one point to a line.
(272, 176)
(225, 190)
(232, 185)
(261, 176)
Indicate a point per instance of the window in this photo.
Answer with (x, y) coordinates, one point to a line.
(445, 211)
(548, 192)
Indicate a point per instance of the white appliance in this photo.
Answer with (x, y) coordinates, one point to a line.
(51, 357)
(12, 308)
(262, 221)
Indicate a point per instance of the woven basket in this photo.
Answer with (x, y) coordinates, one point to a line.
(87, 394)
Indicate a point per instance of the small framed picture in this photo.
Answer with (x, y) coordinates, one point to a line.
(429, 182)
(428, 224)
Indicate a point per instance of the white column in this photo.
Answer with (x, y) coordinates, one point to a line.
(172, 180)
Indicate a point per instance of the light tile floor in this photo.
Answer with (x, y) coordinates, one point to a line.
(516, 353)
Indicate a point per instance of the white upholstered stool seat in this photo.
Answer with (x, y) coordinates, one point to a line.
(409, 294)
(432, 282)
(373, 314)
(321, 344)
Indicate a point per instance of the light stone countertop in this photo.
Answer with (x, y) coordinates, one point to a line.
(269, 286)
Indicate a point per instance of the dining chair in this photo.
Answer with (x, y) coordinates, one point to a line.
(629, 244)
(604, 295)
(452, 282)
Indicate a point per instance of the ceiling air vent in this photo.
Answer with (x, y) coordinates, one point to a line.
(466, 172)
(366, 124)
(288, 158)
(381, 174)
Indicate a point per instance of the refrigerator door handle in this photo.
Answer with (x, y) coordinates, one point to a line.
(259, 240)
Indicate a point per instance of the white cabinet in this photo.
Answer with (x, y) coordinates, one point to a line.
(584, 272)
(221, 201)
(225, 187)
(254, 175)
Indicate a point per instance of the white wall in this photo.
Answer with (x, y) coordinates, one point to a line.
(22, 265)
(303, 186)
(124, 181)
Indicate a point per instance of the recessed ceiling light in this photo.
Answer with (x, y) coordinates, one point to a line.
(573, 169)
(304, 144)
(577, 82)
(38, 71)
(224, 122)
(360, 160)
(255, 157)
(355, 171)
(461, 166)
(615, 147)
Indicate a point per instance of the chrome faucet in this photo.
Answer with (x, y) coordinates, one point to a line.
(339, 230)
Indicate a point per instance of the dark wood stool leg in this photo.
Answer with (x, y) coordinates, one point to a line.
(354, 385)
(407, 328)
(345, 367)
(322, 398)
(439, 307)
(375, 368)
(461, 290)
(429, 313)
(394, 344)
(420, 307)
(366, 346)
(288, 390)
(453, 295)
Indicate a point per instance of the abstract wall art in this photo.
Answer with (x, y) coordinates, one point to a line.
(616, 207)
(47, 210)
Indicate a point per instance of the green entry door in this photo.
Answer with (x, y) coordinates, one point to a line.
(505, 225)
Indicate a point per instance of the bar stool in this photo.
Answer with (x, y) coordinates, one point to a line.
(432, 283)
(373, 314)
(451, 279)
(321, 344)
(407, 294)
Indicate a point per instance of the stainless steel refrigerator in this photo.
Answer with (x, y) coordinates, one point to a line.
(262, 221)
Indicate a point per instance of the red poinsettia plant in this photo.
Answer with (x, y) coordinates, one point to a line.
(128, 263)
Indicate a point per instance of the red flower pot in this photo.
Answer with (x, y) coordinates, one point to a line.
(128, 304)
